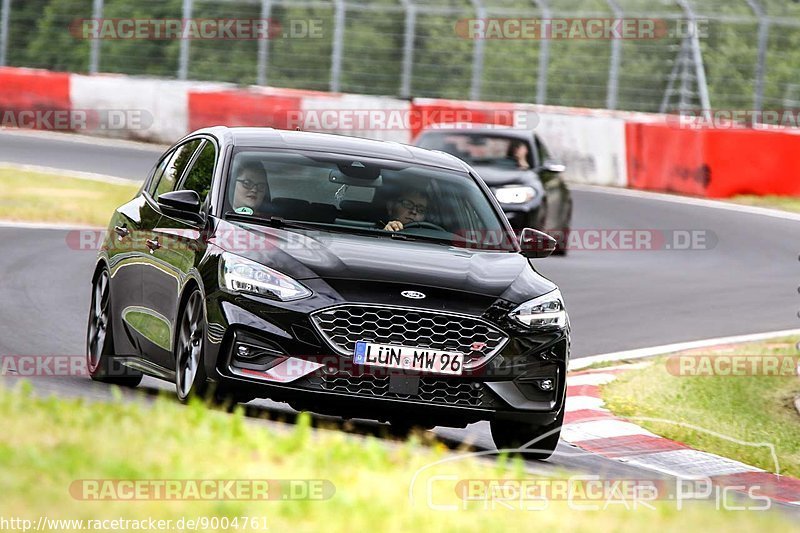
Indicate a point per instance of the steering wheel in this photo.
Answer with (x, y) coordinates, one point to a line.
(424, 224)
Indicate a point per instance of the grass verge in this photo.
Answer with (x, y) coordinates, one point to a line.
(49, 443)
(748, 408)
(30, 196)
(785, 203)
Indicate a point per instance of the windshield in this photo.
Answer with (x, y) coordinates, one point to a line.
(378, 197)
(481, 149)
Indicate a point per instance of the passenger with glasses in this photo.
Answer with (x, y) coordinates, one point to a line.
(250, 188)
(411, 206)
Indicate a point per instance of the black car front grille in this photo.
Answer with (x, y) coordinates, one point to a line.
(345, 325)
(451, 392)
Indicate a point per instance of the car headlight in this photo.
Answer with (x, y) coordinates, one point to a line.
(515, 195)
(243, 275)
(546, 310)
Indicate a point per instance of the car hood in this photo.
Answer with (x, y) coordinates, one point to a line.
(495, 176)
(342, 256)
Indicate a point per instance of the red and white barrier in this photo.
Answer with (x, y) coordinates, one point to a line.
(592, 147)
(256, 106)
(372, 117)
(642, 151)
(28, 90)
(716, 163)
(146, 109)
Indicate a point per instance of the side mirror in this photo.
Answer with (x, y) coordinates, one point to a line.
(536, 244)
(551, 165)
(184, 203)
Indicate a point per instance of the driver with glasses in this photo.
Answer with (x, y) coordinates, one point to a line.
(408, 207)
(250, 188)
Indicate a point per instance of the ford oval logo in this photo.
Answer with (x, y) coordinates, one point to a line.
(414, 295)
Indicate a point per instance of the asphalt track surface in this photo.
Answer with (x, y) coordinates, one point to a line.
(747, 282)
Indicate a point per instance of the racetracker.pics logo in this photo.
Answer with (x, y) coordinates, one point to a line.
(586, 493)
(226, 29)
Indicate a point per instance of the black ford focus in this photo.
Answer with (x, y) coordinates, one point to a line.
(343, 276)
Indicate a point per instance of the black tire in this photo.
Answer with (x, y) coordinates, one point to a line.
(100, 358)
(515, 435)
(191, 380)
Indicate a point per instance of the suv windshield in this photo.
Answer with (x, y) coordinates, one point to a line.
(345, 193)
(480, 148)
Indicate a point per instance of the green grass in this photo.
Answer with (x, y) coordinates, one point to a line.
(786, 203)
(48, 443)
(756, 409)
(42, 197)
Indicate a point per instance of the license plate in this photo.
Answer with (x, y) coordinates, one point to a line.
(408, 358)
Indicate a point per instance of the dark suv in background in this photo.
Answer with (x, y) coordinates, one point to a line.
(517, 167)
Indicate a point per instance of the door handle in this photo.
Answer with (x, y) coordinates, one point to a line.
(152, 244)
(121, 232)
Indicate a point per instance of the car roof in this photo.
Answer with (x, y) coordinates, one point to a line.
(329, 142)
(473, 128)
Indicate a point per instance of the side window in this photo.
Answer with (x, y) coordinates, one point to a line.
(177, 164)
(202, 172)
(159, 172)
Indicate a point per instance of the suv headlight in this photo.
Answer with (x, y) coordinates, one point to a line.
(243, 275)
(515, 195)
(546, 310)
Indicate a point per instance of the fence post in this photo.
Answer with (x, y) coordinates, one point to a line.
(5, 13)
(183, 58)
(94, 44)
(263, 44)
(697, 58)
(544, 55)
(408, 48)
(613, 69)
(477, 55)
(761, 60)
(338, 44)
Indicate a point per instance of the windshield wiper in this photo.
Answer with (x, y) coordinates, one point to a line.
(417, 237)
(275, 222)
(280, 222)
